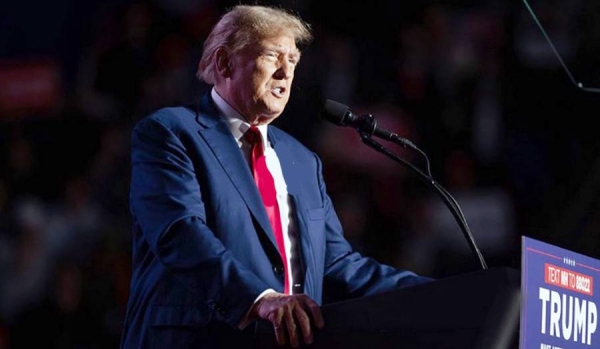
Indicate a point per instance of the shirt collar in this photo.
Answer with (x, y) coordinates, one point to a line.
(235, 122)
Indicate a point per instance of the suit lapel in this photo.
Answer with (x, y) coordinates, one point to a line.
(289, 167)
(287, 161)
(219, 139)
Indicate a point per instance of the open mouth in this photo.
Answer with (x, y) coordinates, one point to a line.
(278, 91)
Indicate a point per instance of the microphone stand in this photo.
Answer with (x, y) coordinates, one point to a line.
(441, 191)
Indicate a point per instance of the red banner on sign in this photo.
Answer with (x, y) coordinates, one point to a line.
(568, 279)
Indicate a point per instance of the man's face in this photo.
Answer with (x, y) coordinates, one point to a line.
(261, 78)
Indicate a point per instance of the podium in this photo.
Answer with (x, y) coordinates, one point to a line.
(472, 310)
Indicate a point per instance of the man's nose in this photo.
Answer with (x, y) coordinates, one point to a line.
(285, 70)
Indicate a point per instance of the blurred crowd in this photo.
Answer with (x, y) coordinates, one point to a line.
(473, 84)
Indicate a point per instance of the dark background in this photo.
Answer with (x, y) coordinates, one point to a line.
(474, 84)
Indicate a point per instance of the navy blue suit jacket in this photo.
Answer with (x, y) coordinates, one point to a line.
(203, 249)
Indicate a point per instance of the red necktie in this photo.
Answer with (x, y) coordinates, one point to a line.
(266, 186)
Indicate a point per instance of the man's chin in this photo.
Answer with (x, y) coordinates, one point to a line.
(267, 119)
(269, 115)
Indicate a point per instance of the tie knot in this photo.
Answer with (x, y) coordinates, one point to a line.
(253, 135)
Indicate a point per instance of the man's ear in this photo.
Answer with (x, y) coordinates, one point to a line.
(224, 62)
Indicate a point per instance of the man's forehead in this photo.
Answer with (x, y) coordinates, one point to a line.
(275, 43)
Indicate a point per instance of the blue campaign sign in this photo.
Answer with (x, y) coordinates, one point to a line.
(560, 296)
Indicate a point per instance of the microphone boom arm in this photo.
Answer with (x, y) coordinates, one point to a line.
(449, 201)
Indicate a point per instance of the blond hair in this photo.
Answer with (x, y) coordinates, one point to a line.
(245, 25)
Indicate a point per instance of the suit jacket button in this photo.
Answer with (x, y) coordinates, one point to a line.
(278, 269)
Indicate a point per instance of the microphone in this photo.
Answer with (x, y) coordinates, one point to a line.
(341, 115)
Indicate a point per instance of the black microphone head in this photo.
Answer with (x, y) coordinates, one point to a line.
(335, 112)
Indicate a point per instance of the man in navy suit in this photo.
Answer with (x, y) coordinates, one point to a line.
(211, 251)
